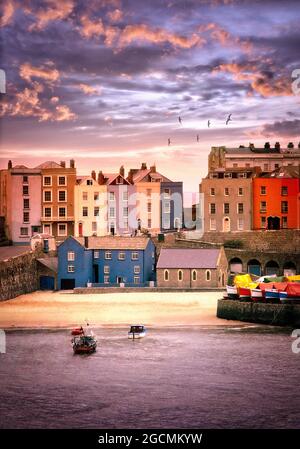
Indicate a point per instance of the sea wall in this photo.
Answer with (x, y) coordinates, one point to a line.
(94, 290)
(18, 275)
(274, 314)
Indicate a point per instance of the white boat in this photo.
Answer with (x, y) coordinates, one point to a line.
(256, 294)
(232, 291)
(137, 331)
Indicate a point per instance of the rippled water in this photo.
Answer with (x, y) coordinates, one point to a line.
(179, 377)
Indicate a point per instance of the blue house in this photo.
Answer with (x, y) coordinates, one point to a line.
(106, 262)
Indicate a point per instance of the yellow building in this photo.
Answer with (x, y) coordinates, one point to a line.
(90, 206)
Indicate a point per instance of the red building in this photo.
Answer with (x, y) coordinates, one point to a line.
(276, 199)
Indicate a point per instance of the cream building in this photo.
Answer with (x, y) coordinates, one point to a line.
(90, 207)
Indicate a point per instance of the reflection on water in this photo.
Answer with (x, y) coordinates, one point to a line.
(177, 377)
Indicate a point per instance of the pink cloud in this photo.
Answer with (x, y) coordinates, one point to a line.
(87, 89)
(46, 72)
(55, 10)
(8, 9)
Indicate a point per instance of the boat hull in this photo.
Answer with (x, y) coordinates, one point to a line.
(285, 298)
(245, 294)
(232, 292)
(84, 350)
(136, 335)
(272, 295)
(256, 294)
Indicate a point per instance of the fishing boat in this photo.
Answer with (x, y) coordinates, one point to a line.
(245, 293)
(77, 331)
(232, 291)
(137, 331)
(272, 295)
(291, 294)
(84, 344)
(256, 294)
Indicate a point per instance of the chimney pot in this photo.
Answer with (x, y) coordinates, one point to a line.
(9, 165)
(153, 169)
(72, 163)
(93, 174)
(63, 164)
(122, 171)
(144, 166)
(100, 178)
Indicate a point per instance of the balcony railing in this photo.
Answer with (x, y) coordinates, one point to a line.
(56, 218)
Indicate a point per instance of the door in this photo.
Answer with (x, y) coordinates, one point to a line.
(67, 284)
(96, 273)
(119, 279)
(47, 283)
(80, 229)
(226, 224)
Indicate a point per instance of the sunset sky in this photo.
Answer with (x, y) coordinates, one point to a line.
(104, 82)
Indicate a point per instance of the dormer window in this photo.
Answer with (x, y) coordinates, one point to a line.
(119, 180)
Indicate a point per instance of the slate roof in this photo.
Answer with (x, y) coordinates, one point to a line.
(115, 242)
(188, 258)
(140, 175)
(49, 164)
(50, 262)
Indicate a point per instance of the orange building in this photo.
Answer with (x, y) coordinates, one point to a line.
(276, 199)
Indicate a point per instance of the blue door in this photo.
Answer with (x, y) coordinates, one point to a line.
(47, 283)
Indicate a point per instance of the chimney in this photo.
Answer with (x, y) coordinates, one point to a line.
(9, 165)
(153, 169)
(93, 175)
(130, 176)
(63, 164)
(251, 146)
(277, 146)
(290, 145)
(267, 146)
(72, 163)
(144, 166)
(100, 178)
(86, 242)
(122, 171)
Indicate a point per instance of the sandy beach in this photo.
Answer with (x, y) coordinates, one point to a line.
(61, 309)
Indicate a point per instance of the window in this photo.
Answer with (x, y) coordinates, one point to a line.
(125, 223)
(62, 229)
(106, 269)
(137, 269)
(26, 203)
(112, 196)
(213, 224)
(125, 211)
(167, 193)
(71, 268)
(134, 256)
(240, 208)
(96, 211)
(166, 275)
(94, 226)
(85, 196)
(194, 275)
(263, 206)
(89, 182)
(119, 180)
(263, 190)
(149, 191)
(136, 279)
(62, 195)
(284, 190)
(96, 196)
(167, 222)
(167, 208)
(26, 217)
(227, 175)
(107, 255)
(96, 254)
(24, 231)
(149, 207)
(226, 208)
(242, 175)
(85, 211)
(106, 279)
(62, 212)
(284, 222)
(47, 196)
(241, 191)
(212, 208)
(212, 191)
(112, 212)
(276, 166)
(48, 212)
(71, 256)
(25, 190)
(121, 255)
(125, 195)
(180, 275)
(263, 222)
(47, 181)
(62, 181)
(208, 275)
(149, 223)
(25, 181)
(284, 207)
(240, 224)
(226, 191)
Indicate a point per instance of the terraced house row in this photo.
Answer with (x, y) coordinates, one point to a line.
(51, 198)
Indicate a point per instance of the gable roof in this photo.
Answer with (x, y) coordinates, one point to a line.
(283, 172)
(114, 242)
(188, 258)
(110, 178)
(140, 175)
(49, 164)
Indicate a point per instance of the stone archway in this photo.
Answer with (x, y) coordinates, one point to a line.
(236, 265)
(273, 223)
(254, 267)
(272, 267)
(226, 224)
(289, 269)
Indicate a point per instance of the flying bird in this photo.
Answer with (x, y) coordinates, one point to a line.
(228, 119)
(180, 120)
(208, 123)
(169, 142)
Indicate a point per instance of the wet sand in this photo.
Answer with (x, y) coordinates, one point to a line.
(62, 309)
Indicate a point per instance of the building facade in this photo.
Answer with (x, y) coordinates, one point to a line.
(20, 201)
(228, 200)
(108, 261)
(58, 209)
(276, 199)
(189, 268)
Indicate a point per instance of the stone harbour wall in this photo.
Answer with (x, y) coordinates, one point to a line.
(18, 275)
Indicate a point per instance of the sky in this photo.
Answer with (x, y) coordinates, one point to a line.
(105, 81)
